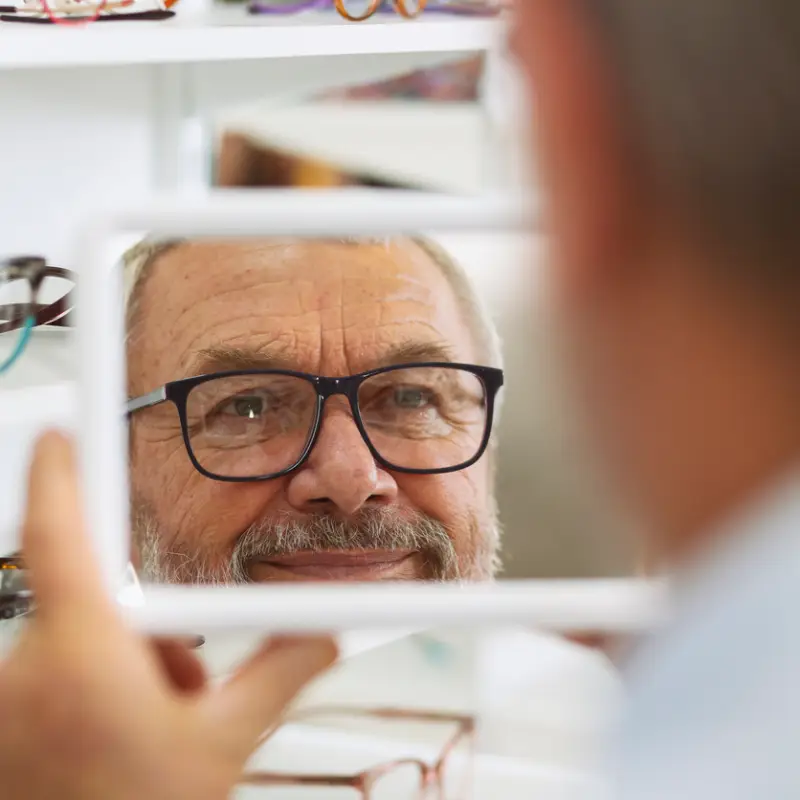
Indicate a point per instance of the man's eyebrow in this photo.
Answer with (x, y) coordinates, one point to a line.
(230, 359)
(416, 353)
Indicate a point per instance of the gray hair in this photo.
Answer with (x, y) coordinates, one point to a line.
(138, 261)
(711, 90)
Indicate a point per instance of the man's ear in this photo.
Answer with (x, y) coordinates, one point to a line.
(581, 154)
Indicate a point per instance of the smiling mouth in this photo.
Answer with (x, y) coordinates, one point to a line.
(362, 565)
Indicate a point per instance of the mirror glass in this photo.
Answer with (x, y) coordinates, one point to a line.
(413, 121)
(363, 409)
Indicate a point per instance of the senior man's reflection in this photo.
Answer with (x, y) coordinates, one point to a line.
(309, 410)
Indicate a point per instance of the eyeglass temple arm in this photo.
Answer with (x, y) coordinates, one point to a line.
(381, 712)
(258, 777)
(146, 400)
(57, 313)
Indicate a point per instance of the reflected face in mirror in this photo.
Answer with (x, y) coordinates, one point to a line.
(322, 308)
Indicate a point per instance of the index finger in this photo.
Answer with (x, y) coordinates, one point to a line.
(253, 699)
(59, 555)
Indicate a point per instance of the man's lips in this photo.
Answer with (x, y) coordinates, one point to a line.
(361, 565)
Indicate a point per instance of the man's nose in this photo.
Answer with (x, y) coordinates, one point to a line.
(340, 475)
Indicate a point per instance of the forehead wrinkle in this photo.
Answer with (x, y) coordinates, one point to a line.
(194, 308)
(240, 266)
(330, 351)
(343, 335)
(345, 348)
(421, 331)
(229, 296)
(424, 323)
(205, 298)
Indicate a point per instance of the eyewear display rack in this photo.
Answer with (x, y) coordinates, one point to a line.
(206, 58)
(141, 95)
(203, 32)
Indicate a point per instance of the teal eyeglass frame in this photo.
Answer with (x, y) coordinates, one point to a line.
(24, 317)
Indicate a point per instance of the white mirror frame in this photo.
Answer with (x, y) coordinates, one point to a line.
(557, 605)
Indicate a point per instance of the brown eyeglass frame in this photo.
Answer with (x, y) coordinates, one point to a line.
(399, 6)
(35, 269)
(363, 782)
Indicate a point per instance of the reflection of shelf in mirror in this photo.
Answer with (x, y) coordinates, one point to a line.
(437, 146)
(228, 34)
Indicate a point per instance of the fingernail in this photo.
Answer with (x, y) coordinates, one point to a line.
(57, 447)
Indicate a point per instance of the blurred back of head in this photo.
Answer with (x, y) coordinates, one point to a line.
(711, 94)
(667, 137)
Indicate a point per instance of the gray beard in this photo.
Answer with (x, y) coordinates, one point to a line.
(164, 560)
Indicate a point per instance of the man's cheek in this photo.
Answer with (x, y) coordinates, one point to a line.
(446, 498)
(215, 514)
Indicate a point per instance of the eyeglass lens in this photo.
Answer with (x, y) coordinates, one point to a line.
(411, 7)
(456, 777)
(402, 782)
(359, 9)
(249, 426)
(15, 300)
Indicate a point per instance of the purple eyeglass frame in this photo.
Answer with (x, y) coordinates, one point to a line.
(434, 6)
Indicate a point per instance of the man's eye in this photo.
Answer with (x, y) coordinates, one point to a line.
(249, 407)
(411, 397)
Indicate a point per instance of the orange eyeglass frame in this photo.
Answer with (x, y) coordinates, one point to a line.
(399, 6)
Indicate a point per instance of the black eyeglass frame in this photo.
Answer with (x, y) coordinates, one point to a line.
(177, 393)
(34, 270)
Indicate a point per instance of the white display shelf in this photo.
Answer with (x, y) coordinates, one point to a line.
(24, 414)
(35, 407)
(229, 34)
(156, 88)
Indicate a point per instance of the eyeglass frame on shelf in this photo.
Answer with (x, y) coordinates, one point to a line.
(19, 601)
(25, 317)
(76, 16)
(35, 269)
(400, 7)
(364, 781)
(376, 6)
(177, 392)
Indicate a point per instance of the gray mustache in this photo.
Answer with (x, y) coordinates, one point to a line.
(375, 529)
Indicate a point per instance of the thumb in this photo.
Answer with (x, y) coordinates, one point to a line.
(253, 700)
(57, 551)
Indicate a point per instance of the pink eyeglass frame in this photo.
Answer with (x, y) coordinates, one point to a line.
(363, 782)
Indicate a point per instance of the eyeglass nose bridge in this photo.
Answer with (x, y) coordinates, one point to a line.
(347, 387)
(329, 387)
